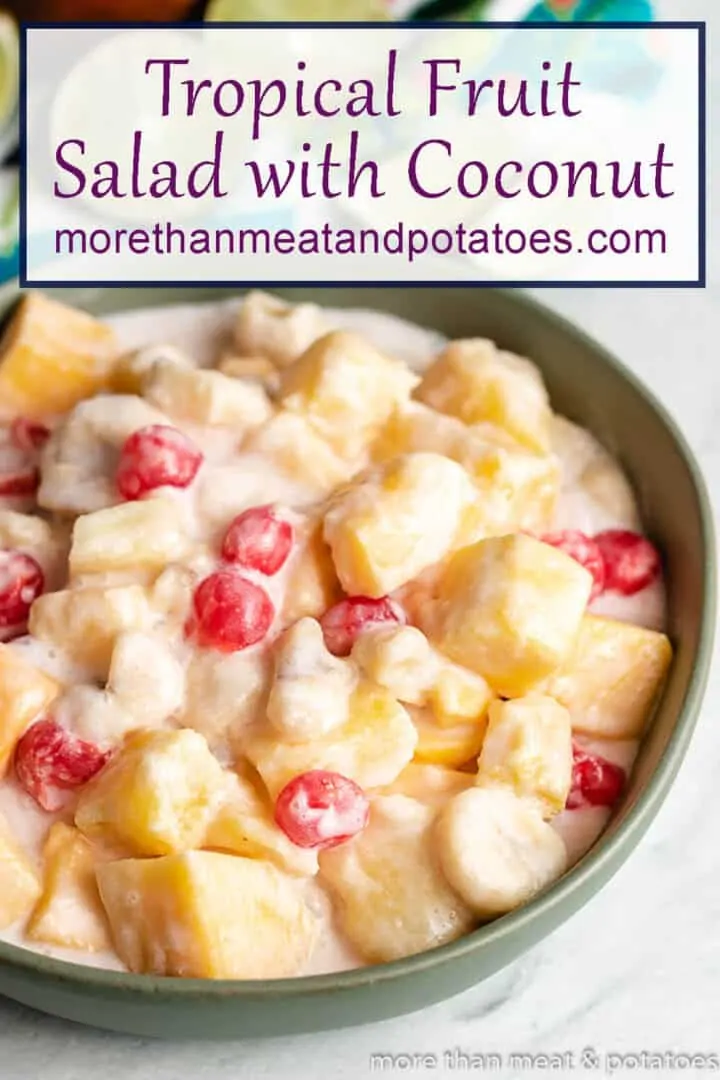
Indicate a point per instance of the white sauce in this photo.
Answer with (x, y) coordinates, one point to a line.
(595, 496)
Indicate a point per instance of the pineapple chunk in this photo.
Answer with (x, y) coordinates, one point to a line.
(311, 691)
(258, 369)
(294, 447)
(224, 695)
(612, 678)
(25, 692)
(78, 462)
(430, 784)
(244, 825)
(132, 536)
(51, 357)
(269, 326)
(528, 749)
(346, 389)
(206, 915)
(414, 427)
(371, 748)
(391, 897)
(86, 622)
(496, 850)
(206, 397)
(451, 747)
(132, 369)
(476, 382)
(146, 678)
(518, 489)
(311, 585)
(156, 796)
(458, 695)
(396, 520)
(69, 912)
(510, 609)
(171, 595)
(401, 659)
(19, 884)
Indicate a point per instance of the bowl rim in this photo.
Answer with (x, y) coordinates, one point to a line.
(594, 869)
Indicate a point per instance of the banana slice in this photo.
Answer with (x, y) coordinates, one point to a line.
(496, 850)
(372, 748)
(390, 894)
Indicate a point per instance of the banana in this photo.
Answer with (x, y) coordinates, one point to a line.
(496, 850)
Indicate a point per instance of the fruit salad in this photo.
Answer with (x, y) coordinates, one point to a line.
(324, 640)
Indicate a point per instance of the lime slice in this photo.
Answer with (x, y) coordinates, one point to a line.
(297, 11)
(9, 68)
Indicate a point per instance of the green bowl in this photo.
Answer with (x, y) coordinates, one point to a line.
(593, 389)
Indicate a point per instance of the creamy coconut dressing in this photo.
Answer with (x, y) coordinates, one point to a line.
(594, 496)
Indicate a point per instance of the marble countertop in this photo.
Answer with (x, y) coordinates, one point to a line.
(638, 969)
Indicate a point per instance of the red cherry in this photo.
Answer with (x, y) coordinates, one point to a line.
(582, 549)
(21, 581)
(631, 561)
(28, 434)
(229, 612)
(595, 781)
(321, 809)
(20, 482)
(156, 456)
(258, 540)
(343, 623)
(49, 760)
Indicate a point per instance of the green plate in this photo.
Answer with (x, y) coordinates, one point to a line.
(592, 388)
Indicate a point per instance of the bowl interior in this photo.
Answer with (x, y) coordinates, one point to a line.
(591, 388)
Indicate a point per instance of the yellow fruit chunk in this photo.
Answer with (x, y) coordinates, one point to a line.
(450, 747)
(19, 885)
(401, 659)
(390, 896)
(431, 784)
(509, 608)
(477, 382)
(517, 488)
(207, 915)
(86, 622)
(51, 357)
(244, 825)
(458, 695)
(612, 678)
(269, 326)
(346, 388)
(312, 585)
(371, 748)
(69, 912)
(206, 397)
(157, 795)
(294, 447)
(528, 749)
(256, 369)
(140, 536)
(25, 692)
(395, 520)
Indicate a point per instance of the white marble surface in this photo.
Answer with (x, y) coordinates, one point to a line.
(637, 969)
